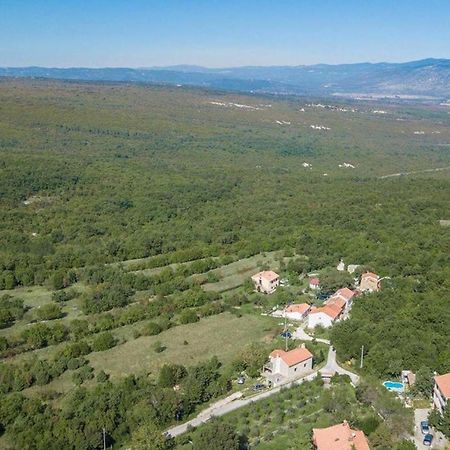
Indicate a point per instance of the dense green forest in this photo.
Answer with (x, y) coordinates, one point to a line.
(103, 185)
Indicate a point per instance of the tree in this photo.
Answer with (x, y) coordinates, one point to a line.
(148, 437)
(171, 374)
(424, 382)
(216, 435)
(441, 421)
(103, 342)
(332, 280)
(405, 444)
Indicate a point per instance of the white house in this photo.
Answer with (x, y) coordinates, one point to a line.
(325, 316)
(370, 282)
(266, 281)
(343, 297)
(288, 365)
(314, 283)
(441, 391)
(297, 311)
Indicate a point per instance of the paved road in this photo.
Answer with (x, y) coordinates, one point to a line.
(301, 334)
(332, 367)
(223, 407)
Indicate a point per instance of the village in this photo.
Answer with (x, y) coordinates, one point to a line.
(295, 364)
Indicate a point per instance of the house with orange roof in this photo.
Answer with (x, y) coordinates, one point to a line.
(324, 315)
(339, 437)
(343, 296)
(297, 311)
(370, 282)
(441, 391)
(284, 365)
(266, 281)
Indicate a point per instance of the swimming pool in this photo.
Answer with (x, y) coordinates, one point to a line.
(394, 385)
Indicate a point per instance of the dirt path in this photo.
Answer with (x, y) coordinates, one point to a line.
(399, 174)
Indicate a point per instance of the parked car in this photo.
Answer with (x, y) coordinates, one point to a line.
(286, 334)
(258, 387)
(241, 380)
(424, 427)
(428, 439)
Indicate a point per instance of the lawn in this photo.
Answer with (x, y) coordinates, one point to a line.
(222, 335)
(37, 296)
(235, 274)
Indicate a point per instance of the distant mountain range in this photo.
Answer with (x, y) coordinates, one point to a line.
(424, 79)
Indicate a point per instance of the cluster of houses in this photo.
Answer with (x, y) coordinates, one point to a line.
(335, 308)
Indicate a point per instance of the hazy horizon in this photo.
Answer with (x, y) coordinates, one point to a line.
(214, 34)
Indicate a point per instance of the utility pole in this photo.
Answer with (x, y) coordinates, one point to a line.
(362, 357)
(104, 438)
(285, 331)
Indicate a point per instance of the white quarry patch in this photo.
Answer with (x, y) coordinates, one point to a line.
(305, 164)
(347, 165)
(331, 107)
(237, 105)
(325, 174)
(379, 111)
(319, 127)
(302, 109)
(282, 122)
(419, 132)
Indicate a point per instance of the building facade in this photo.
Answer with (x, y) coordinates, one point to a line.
(266, 281)
(441, 391)
(284, 365)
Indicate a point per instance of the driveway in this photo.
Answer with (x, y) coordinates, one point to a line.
(439, 440)
(333, 367)
(301, 334)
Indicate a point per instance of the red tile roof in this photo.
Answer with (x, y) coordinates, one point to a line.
(339, 437)
(336, 302)
(344, 292)
(269, 275)
(301, 308)
(293, 357)
(370, 275)
(314, 281)
(443, 382)
(332, 311)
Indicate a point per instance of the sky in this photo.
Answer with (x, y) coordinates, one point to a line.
(145, 33)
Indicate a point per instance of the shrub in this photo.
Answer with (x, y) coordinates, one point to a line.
(158, 347)
(50, 311)
(102, 377)
(151, 329)
(103, 342)
(188, 316)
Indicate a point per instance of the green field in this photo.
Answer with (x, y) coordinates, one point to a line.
(157, 204)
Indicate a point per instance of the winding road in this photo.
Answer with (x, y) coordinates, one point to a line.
(234, 401)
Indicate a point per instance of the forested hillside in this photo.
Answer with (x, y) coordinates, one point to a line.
(95, 174)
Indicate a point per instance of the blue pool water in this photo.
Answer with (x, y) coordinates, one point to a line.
(393, 385)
